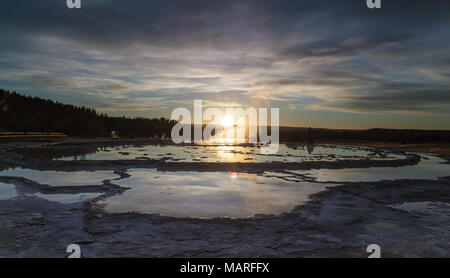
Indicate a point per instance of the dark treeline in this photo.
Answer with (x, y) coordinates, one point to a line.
(402, 136)
(34, 114)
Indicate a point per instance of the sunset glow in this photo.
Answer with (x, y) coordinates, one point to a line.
(228, 121)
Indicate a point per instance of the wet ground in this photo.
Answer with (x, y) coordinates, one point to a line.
(114, 201)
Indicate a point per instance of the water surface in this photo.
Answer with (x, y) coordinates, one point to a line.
(429, 168)
(60, 178)
(217, 194)
(208, 194)
(67, 198)
(7, 191)
(222, 153)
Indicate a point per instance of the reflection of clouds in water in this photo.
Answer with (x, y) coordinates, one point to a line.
(235, 153)
(429, 168)
(208, 194)
(57, 178)
(67, 198)
(7, 191)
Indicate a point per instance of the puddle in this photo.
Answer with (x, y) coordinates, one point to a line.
(208, 194)
(7, 191)
(57, 178)
(67, 198)
(429, 168)
(205, 153)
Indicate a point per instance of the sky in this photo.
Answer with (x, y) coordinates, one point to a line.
(335, 64)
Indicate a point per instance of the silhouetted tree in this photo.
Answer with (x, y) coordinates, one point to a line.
(25, 113)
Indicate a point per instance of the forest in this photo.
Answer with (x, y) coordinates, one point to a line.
(33, 114)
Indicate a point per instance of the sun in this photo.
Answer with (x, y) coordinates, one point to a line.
(228, 121)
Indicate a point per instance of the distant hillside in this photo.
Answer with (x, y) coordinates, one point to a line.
(34, 114)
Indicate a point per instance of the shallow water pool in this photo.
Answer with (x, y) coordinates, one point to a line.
(67, 198)
(208, 194)
(429, 168)
(221, 153)
(7, 191)
(59, 178)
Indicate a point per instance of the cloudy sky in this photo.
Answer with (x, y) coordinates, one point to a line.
(324, 63)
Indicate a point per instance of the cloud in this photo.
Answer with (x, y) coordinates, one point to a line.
(346, 47)
(302, 55)
(397, 97)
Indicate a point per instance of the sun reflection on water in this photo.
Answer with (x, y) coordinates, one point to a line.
(229, 153)
(233, 175)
